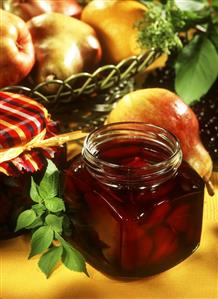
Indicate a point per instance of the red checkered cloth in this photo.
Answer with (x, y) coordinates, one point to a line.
(21, 120)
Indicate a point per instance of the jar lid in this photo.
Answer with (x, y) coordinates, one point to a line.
(22, 121)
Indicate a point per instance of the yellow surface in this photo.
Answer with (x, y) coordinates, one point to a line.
(196, 277)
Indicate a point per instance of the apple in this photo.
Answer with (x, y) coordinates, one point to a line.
(26, 9)
(17, 52)
(164, 108)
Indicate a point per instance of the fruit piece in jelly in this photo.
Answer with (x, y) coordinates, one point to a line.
(117, 153)
(105, 221)
(135, 162)
(180, 218)
(165, 244)
(136, 247)
(158, 214)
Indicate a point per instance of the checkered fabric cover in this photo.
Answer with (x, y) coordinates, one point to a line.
(21, 119)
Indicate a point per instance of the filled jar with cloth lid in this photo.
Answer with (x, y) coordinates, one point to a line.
(24, 125)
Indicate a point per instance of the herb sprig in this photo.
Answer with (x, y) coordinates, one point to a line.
(48, 223)
(188, 32)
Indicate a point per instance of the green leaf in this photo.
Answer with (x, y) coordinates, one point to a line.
(34, 191)
(190, 5)
(36, 223)
(49, 185)
(54, 204)
(213, 35)
(193, 12)
(49, 260)
(51, 168)
(55, 222)
(196, 69)
(73, 259)
(26, 218)
(39, 209)
(41, 240)
(215, 3)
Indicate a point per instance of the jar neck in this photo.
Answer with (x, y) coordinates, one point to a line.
(132, 153)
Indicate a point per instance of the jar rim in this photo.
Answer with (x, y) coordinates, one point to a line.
(146, 126)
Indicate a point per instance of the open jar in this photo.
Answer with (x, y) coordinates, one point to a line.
(24, 123)
(135, 205)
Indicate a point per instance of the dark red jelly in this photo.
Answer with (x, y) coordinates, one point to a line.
(136, 207)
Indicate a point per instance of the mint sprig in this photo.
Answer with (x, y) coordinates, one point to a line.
(48, 223)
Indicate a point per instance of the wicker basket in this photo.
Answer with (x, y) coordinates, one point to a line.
(84, 99)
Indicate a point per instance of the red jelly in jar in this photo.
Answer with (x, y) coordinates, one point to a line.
(136, 206)
(23, 123)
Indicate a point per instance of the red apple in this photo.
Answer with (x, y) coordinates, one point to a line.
(164, 108)
(16, 49)
(26, 9)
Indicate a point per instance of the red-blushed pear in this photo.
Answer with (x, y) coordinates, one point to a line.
(63, 46)
(16, 49)
(164, 108)
(31, 8)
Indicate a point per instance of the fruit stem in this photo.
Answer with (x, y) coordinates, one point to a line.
(209, 186)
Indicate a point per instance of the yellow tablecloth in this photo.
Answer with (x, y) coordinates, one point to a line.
(196, 277)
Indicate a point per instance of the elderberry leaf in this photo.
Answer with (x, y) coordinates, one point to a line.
(196, 69)
(49, 185)
(73, 259)
(49, 259)
(55, 222)
(54, 204)
(41, 240)
(34, 191)
(213, 35)
(26, 218)
(39, 209)
(36, 223)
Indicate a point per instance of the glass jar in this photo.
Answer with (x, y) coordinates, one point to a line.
(135, 205)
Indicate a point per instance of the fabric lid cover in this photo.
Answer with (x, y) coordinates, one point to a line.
(21, 120)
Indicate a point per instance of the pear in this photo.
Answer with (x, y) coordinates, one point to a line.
(63, 46)
(164, 108)
(31, 8)
(114, 22)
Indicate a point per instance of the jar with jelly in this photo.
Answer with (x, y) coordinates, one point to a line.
(24, 123)
(135, 205)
